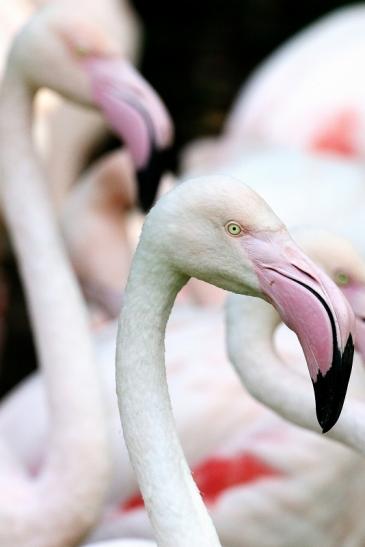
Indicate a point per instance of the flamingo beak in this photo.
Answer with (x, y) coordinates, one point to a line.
(355, 294)
(310, 304)
(137, 114)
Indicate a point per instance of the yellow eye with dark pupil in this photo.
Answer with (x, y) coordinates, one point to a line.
(342, 278)
(233, 228)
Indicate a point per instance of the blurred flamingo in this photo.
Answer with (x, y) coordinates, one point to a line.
(309, 93)
(60, 505)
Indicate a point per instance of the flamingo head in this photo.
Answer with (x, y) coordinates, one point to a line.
(80, 56)
(220, 231)
(341, 261)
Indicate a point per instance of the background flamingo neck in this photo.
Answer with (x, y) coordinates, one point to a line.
(75, 474)
(273, 382)
(261, 370)
(176, 510)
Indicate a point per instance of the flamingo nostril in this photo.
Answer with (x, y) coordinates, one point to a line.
(304, 272)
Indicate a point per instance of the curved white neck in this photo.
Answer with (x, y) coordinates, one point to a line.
(175, 507)
(251, 350)
(75, 474)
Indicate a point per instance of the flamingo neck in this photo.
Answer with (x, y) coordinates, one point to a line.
(274, 383)
(174, 505)
(63, 502)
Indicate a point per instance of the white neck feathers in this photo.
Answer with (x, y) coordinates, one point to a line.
(175, 507)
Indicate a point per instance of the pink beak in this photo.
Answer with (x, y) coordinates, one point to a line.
(137, 114)
(312, 306)
(355, 294)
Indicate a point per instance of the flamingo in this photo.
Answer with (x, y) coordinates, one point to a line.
(29, 515)
(308, 93)
(219, 231)
(92, 54)
(102, 45)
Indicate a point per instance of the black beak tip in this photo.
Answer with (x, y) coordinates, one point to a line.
(148, 178)
(327, 424)
(330, 389)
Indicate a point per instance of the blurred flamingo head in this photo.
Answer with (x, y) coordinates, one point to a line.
(346, 267)
(82, 58)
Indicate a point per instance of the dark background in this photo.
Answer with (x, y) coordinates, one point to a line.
(197, 55)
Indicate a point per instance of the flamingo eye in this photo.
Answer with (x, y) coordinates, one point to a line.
(82, 50)
(233, 228)
(342, 278)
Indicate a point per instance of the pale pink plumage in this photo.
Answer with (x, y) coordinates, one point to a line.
(309, 93)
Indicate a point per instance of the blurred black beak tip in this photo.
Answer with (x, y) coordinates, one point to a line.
(148, 178)
(330, 389)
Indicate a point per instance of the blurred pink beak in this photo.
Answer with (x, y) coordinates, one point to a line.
(312, 306)
(355, 294)
(137, 114)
